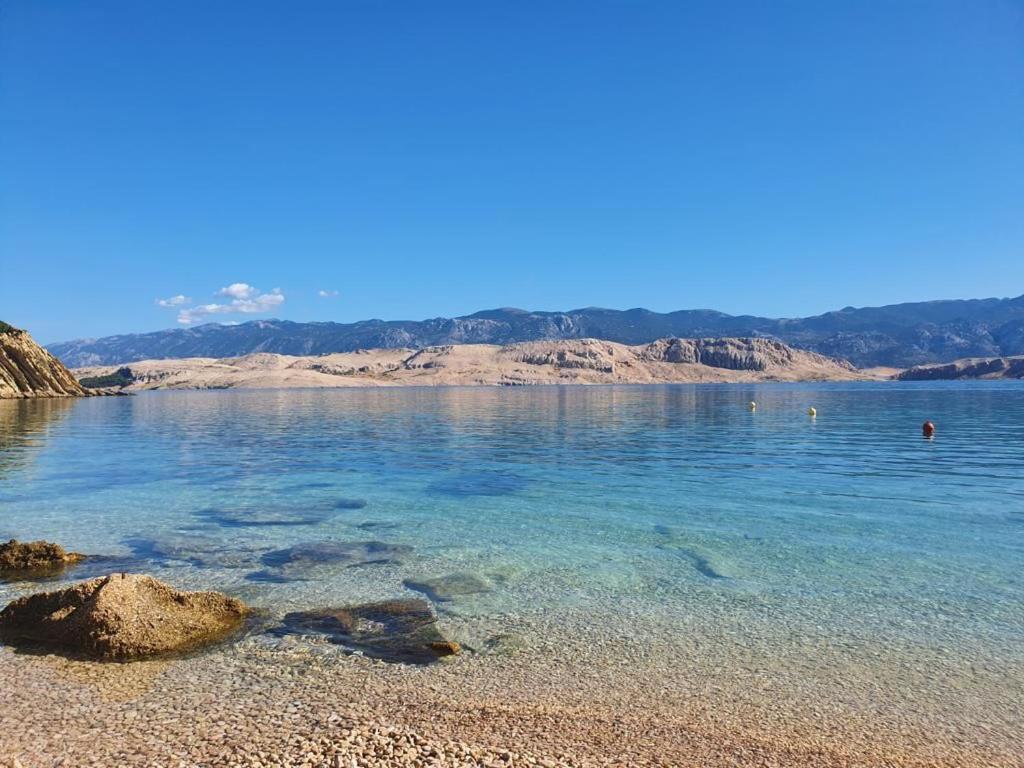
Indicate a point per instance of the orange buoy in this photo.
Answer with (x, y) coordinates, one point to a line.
(928, 429)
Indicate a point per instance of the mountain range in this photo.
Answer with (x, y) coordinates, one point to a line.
(898, 335)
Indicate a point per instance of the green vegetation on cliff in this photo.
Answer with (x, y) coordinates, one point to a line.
(122, 377)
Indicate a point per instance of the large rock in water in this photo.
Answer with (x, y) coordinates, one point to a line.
(393, 630)
(34, 558)
(28, 370)
(121, 617)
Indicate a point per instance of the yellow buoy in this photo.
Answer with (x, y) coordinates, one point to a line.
(753, 405)
(811, 412)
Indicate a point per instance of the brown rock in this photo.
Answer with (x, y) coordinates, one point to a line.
(446, 648)
(34, 558)
(392, 630)
(121, 617)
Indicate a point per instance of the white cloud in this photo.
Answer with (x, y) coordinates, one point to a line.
(238, 291)
(174, 301)
(245, 299)
(326, 294)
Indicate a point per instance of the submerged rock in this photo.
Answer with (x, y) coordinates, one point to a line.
(700, 562)
(278, 515)
(394, 630)
(302, 560)
(446, 588)
(504, 644)
(703, 561)
(371, 525)
(120, 618)
(200, 551)
(271, 517)
(478, 484)
(34, 558)
(350, 504)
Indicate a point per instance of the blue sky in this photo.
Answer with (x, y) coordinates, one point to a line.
(417, 159)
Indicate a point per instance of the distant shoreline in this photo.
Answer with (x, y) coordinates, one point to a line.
(587, 361)
(558, 363)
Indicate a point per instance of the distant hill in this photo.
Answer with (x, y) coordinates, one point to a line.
(898, 335)
(582, 361)
(971, 368)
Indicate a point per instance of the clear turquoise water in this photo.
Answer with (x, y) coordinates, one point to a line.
(559, 497)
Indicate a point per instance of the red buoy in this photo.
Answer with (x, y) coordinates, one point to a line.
(928, 429)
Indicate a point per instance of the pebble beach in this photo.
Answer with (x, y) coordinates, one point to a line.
(631, 693)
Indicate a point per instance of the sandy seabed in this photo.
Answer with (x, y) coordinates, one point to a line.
(568, 689)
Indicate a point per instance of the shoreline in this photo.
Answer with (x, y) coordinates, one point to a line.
(280, 704)
(641, 679)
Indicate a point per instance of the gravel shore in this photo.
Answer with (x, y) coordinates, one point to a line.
(610, 698)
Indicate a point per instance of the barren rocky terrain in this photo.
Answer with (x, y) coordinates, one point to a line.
(968, 368)
(586, 361)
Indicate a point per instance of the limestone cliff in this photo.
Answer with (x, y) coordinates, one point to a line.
(28, 370)
(747, 354)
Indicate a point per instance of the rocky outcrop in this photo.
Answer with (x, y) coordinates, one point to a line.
(121, 617)
(742, 354)
(586, 354)
(28, 370)
(972, 368)
(34, 558)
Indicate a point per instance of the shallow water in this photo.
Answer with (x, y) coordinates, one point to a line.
(849, 528)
